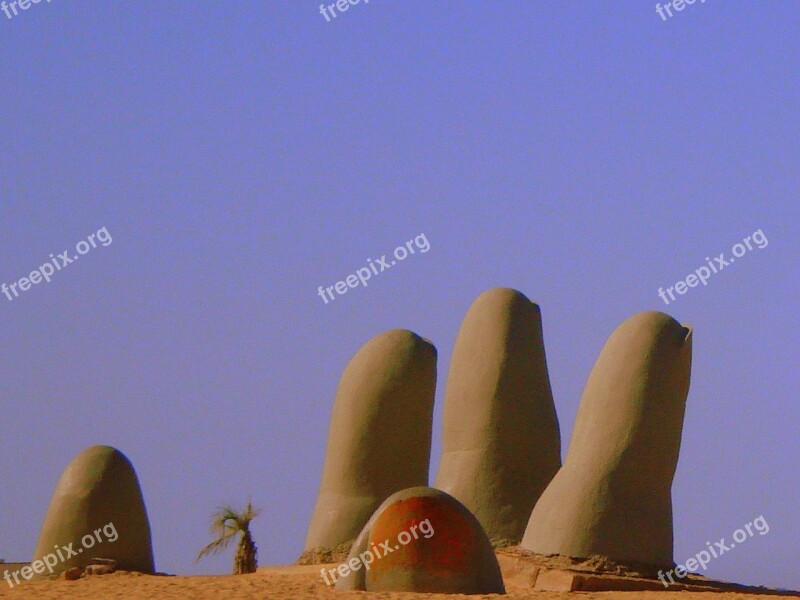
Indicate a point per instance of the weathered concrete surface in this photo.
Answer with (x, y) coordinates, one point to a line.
(380, 434)
(501, 444)
(98, 487)
(524, 571)
(423, 540)
(612, 496)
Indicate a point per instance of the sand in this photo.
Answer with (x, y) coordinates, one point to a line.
(285, 583)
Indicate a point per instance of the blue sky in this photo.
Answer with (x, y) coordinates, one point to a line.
(242, 154)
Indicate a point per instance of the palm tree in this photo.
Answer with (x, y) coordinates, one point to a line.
(226, 524)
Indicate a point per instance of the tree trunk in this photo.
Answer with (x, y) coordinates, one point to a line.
(246, 559)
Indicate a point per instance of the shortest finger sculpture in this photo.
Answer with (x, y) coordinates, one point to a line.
(420, 540)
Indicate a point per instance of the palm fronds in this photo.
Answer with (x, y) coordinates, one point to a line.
(226, 524)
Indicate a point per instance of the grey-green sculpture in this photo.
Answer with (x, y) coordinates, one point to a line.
(501, 444)
(380, 434)
(97, 511)
(612, 497)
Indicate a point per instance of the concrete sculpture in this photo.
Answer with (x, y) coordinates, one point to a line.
(97, 510)
(380, 435)
(501, 444)
(421, 540)
(612, 497)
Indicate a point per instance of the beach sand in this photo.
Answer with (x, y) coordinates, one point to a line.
(285, 583)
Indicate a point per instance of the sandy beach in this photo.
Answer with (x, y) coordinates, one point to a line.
(280, 583)
(296, 582)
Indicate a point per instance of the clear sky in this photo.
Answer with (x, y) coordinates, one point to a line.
(241, 154)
